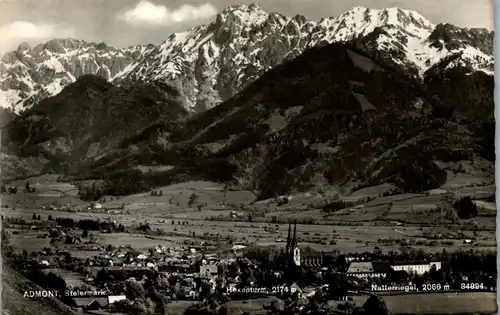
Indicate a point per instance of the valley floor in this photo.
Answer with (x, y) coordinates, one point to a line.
(191, 213)
(417, 220)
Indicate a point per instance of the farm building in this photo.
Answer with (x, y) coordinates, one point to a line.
(44, 263)
(91, 303)
(95, 205)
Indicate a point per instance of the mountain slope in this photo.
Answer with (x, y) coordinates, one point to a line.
(13, 301)
(89, 118)
(332, 116)
(214, 62)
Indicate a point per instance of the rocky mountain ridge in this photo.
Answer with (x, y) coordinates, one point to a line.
(31, 74)
(211, 63)
(332, 116)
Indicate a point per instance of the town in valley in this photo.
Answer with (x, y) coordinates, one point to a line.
(78, 253)
(226, 158)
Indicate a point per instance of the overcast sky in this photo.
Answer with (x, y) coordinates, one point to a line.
(122, 23)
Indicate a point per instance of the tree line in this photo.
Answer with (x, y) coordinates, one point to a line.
(120, 183)
(89, 224)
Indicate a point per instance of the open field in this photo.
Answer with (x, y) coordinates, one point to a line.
(382, 221)
(28, 240)
(433, 303)
(49, 191)
(136, 241)
(443, 303)
(82, 254)
(400, 303)
(253, 306)
(348, 238)
(178, 307)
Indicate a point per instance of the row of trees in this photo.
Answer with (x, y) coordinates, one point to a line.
(13, 189)
(38, 217)
(318, 305)
(116, 184)
(10, 189)
(89, 224)
(29, 189)
(156, 192)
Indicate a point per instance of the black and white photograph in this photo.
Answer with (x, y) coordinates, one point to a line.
(238, 157)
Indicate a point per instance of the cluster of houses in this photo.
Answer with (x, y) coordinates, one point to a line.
(166, 261)
(206, 269)
(189, 263)
(151, 259)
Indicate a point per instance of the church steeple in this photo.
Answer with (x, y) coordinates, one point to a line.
(295, 247)
(289, 239)
(292, 248)
(294, 238)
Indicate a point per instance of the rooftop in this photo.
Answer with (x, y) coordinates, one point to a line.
(84, 301)
(369, 267)
(414, 262)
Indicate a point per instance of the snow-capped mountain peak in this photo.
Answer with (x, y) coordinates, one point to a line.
(361, 21)
(250, 15)
(211, 63)
(400, 17)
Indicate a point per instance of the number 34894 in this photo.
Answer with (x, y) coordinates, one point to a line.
(471, 286)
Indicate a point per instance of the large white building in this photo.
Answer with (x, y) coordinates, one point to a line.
(418, 269)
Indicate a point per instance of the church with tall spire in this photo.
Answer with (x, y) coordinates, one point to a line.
(294, 257)
(292, 246)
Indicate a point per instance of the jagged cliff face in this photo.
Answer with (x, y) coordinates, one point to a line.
(213, 62)
(29, 75)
